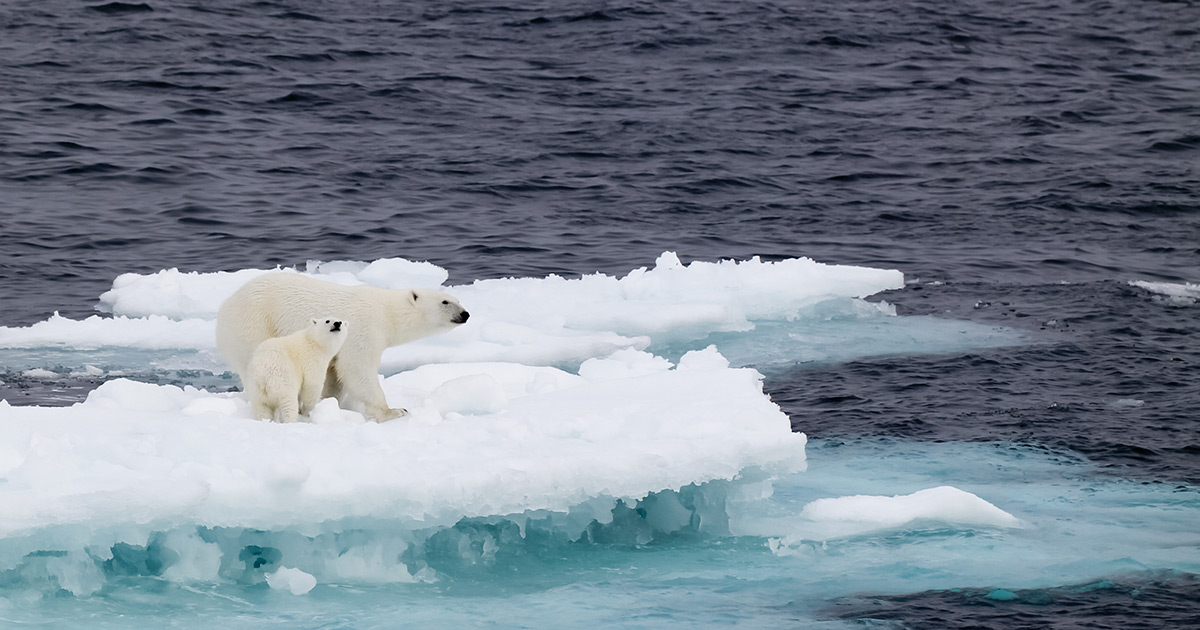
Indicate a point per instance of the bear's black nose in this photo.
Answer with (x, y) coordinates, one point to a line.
(336, 326)
(462, 318)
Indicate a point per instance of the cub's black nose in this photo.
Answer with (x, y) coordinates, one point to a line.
(336, 326)
(462, 318)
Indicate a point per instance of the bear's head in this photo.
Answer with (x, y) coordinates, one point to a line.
(441, 310)
(329, 332)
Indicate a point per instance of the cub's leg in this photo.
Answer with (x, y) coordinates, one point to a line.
(312, 384)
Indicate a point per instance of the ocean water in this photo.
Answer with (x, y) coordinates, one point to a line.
(1023, 164)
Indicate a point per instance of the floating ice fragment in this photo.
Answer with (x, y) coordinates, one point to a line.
(89, 370)
(1001, 595)
(293, 580)
(834, 518)
(945, 503)
(39, 373)
(1185, 294)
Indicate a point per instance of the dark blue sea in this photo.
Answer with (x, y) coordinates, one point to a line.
(1021, 162)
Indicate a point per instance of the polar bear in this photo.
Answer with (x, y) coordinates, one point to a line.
(281, 303)
(285, 375)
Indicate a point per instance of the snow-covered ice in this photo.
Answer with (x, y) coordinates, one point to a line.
(796, 311)
(480, 440)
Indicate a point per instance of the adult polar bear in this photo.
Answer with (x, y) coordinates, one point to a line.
(281, 303)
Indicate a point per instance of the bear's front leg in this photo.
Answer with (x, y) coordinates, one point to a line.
(376, 408)
(386, 413)
(358, 388)
(287, 411)
(261, 410)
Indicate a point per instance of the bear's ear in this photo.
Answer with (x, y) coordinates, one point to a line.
(314, 321)
(414, 294)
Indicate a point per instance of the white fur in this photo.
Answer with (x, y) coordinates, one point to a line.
(277, 304)
(286, 374)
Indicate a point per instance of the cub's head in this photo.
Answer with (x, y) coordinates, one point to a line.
(329, 332)
(441, 310)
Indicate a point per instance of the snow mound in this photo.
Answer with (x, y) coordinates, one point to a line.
(480, 440)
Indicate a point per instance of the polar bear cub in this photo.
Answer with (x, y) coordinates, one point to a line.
(286, 374)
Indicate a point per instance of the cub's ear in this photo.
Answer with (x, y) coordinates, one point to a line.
(314, 321)
(414, 294)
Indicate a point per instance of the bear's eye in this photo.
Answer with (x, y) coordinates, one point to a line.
(445, 301)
